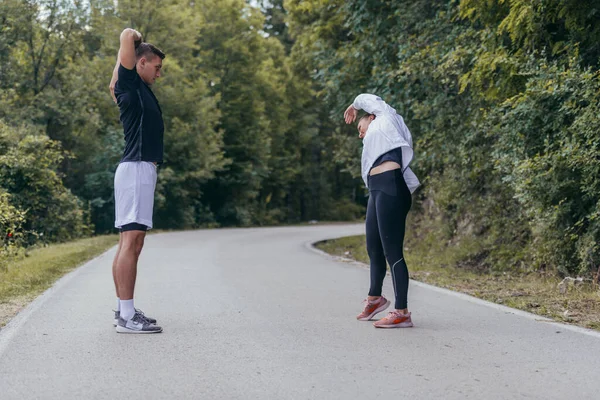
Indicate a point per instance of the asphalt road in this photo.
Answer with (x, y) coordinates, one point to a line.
(257, 314)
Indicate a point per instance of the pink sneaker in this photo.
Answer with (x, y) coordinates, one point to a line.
(394, 319)
(372, 308)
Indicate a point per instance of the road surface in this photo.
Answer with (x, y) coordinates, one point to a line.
(257, 314)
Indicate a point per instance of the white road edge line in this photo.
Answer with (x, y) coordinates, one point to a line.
(8, 331)
(22, 316)
(311, 246)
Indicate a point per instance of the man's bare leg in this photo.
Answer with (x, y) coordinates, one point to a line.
(114, 266)
(114, 273)
(131, 245)
(130, 319)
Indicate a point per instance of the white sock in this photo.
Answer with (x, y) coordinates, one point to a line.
(127, 309)
(118, 304)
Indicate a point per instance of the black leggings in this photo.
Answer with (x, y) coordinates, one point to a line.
(389, 203)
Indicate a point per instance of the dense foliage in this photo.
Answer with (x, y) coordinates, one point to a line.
(502, 98)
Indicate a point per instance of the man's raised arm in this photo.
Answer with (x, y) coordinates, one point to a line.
(130, 39)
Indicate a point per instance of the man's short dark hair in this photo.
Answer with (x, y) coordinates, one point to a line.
(147, 49)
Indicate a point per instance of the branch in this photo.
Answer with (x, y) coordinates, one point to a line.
(37, 66)
(57, 59)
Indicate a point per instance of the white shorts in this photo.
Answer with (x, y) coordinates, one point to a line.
(134, 193)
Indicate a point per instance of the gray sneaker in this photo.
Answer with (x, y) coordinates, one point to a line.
(137, 324)
(118, 315)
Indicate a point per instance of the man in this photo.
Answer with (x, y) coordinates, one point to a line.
(387, 153)
(138, 66)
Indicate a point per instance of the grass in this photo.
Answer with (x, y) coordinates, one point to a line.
(441, 264)
(26, 278)
(429, 260)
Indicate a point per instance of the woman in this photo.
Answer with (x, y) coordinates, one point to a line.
(387, 153)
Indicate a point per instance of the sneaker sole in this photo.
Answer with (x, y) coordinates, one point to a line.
(116, 322)
(121, 329)
(400, 325)
(377, 311)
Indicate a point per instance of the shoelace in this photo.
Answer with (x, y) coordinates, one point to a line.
(140, 317)
(366, 303)
(137, 310)
(396, 314)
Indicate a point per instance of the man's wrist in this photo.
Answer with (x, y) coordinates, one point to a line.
(132, 34)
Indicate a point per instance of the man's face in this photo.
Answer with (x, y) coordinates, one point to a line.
(363, 125)
(149, 68)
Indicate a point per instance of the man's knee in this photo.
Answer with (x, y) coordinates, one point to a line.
(133, 241)
(139, 245)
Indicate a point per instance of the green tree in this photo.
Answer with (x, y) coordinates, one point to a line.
(29, 164)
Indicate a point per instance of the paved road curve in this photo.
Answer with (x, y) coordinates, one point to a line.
(255, 314)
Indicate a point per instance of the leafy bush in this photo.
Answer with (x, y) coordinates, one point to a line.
(29, 163)
(11, 229)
